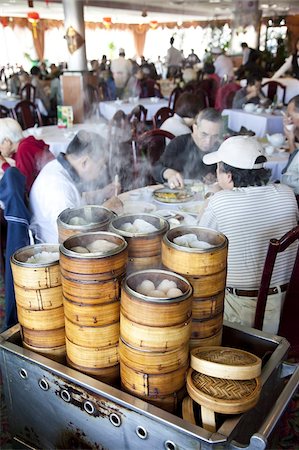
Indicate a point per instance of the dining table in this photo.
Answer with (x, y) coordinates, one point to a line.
(10, 101)
(59, 138)
(260, 123)
(107, 109)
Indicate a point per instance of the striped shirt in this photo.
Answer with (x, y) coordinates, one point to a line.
(249, 217)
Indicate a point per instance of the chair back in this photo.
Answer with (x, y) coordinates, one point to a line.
(150, 88)
(161, 115)
(27, 114)
(149, 146)
(225, 95)
(203, 95)
(288, 326)
(28, 92)
(137, 118)
(91, 100)
(271, 89)
(210, 87)
(5, 112)
(176, 92)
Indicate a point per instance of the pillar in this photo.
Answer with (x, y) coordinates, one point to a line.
(74, 17)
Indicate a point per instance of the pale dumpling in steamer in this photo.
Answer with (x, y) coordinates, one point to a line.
(145, 287)
(144, 227)
(77, 220)
(165, 285)
(203, 245)
(79, 249)
(157, 293)
(174, 292)
(101, 245)
(185, 239)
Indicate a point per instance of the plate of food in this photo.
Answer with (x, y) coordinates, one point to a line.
(167, 195)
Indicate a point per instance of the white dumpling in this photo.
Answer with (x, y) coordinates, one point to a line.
(127, 226)
(165, 285)
(200, 244)
(79, 249)
(145, 287)
(185, 239)
(101, 245)
(174, 292)
(157, 293)
(142, 226)
(76, 220)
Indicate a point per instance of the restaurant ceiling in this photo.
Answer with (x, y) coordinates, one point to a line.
(141, 11)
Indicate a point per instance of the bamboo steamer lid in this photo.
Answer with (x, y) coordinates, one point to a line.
(225, 362)
(221, 395)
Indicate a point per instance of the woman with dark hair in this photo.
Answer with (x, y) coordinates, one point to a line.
(186, 109)
(250, 211)
(291, 64)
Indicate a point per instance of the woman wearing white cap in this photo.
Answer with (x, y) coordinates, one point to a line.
(250, 211)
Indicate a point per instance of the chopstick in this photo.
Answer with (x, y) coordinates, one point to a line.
(116, 183)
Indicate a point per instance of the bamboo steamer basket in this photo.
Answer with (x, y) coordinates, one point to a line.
(37, 299)
(207, 328)
(92, 315)
(92, 357)
(149, 385)
(170, 402)
(38, 276)
(44, 338)
(92, 337)
(50, 319)
(108, 375)
(55, 353)
(144, 249)
(153, 362)
(91, 268)
(216, 339)
(206, 308)
(151, 311)
(98, 218)
(192, 261)
(92, 293)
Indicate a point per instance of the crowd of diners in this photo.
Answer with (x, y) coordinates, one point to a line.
(247, 207)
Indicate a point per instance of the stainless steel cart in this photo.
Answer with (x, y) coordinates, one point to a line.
(51, 406)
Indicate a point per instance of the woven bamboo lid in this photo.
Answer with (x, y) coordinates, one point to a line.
(225, 362)
(221, 395)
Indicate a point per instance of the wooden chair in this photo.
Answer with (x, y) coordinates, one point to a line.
(137, 117)
(161, 115)
(91, 100)
(288, 326)
(203, 95)
(225, 95)
(5, 112)
(271, 89)
(150, 88)
(27, 114)
(148, 146)
(210, 87)
(174, 96)
(28, 92)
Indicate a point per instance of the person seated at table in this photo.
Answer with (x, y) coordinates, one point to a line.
(183, 156)
(290, 174)
(29, 154)
(291, 64)
(251, 93)
(186, 109)
(61, 183)
(40, 91)
(250, 211)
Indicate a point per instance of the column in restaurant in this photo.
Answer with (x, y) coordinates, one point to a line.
(74, 23)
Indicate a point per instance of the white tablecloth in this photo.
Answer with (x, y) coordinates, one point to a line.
(10, 102)
(59, 138)
(277, 162)
(261, 124)
(108, 109)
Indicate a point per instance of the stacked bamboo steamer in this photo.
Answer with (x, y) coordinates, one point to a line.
(86, 219)
(221, 380)
(205, 269)
(154, 339)
(91, 296)
(39, 300)
(144, 248)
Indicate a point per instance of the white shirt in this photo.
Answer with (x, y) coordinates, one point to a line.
(291, 177)
(52, 192)
(285, 67)
(224, 66)
(249, 217)
(121, 69)
(175, 125)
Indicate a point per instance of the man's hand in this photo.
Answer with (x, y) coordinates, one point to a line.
(174, 178)
(289, 131)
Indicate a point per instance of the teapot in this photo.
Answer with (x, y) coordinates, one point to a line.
(277, 139)
(249, 107)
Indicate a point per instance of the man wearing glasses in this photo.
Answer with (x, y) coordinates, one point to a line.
(183, 156)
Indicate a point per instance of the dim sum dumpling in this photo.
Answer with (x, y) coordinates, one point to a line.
(165, 285)
(174, 292)
(77, 220)
(101, 245)
(79, 249)
(145, 287)
(157, 293)
(142, 226)
(200, 244)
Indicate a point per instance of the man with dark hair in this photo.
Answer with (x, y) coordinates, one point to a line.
(39, 87)
(251, 93)
(290, 174)
(61, 183)
(249, 64)
(183, 156)
(250, 211)
(174, 60)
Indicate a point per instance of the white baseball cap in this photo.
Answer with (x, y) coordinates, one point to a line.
(216, 50)
(237, 151)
